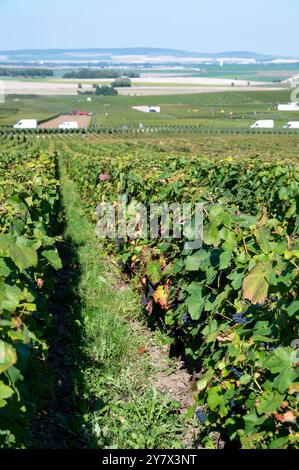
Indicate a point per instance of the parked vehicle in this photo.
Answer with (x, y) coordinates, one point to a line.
(292, 125)
(264, 124)
(81, 113)
(68, 125)
(26, 124)
(288, 107)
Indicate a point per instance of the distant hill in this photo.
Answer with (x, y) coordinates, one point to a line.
(105, 55)
(131, 51)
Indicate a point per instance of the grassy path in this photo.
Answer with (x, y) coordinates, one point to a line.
(103, 390)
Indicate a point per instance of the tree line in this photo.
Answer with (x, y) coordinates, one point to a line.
(25, 72)
(107, 90)
(104, 73)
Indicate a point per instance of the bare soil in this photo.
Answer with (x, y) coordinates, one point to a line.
(171, 378)
(83, 121)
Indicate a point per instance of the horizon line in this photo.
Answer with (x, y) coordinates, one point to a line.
(146, 48)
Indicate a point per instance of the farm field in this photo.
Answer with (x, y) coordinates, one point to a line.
(230, 110)
(266, 73)
(79, 308)
(140, 87)
(254, 72)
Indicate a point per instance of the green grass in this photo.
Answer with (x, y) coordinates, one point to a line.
(252, 72)
(221, 110)
(122, 407)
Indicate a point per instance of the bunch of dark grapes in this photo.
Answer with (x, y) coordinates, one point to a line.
(240, 319)
(119, 241)
(186, 319)
(233, 403)
(236, 372)
(201, 416)
(151, 290)
(143, 300)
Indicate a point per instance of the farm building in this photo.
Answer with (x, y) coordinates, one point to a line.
(288, 107)
(26, 124)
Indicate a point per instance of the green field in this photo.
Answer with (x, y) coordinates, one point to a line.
(263, 72)
(220, 110)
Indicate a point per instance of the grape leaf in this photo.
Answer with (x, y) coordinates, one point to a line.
(255, 284)
(154, 271)
(54, 259)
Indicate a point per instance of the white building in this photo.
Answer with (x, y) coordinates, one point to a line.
(26, 124)
(288, 107)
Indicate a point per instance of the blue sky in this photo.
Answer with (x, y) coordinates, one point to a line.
(267, 26)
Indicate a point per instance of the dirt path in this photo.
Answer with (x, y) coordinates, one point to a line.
(83, 121)
(172, 378)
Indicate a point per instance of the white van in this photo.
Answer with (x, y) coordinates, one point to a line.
(292, 125)
(26, 124)
(265, 124)
(288, 107)
(68, 125)
(154, 109)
